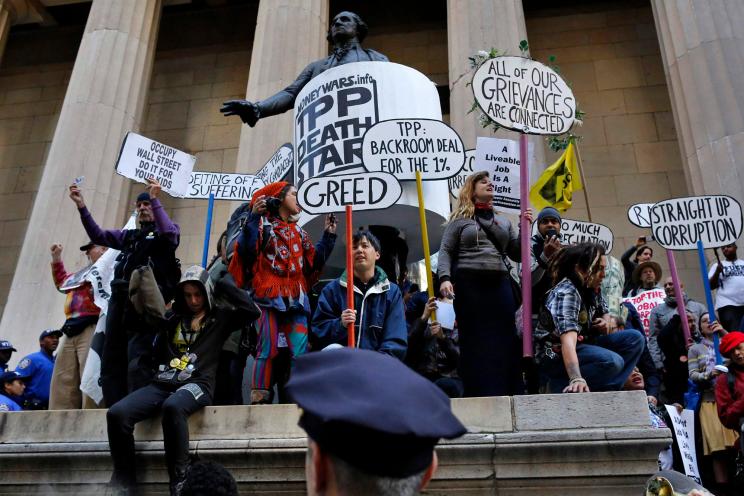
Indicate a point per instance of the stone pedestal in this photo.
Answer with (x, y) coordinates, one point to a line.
(105, 99)
(289, 35)
(474, 25)
(702, 50)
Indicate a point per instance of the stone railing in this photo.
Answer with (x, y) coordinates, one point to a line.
(579, 444)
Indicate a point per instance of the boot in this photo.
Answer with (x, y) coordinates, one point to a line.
(260, 397)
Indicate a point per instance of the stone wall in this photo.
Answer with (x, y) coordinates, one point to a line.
(630, 153)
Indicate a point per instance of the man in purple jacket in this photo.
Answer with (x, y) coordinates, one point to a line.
(126, 361)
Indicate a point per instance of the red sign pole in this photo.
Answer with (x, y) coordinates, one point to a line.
(349, 276)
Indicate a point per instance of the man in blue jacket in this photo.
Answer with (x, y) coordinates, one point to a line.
(378, 314)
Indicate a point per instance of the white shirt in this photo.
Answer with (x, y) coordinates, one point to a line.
(730, 283)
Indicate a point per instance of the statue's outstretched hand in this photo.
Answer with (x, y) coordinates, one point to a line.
(247, 111)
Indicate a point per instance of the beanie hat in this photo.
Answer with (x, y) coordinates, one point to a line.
(272, 189)
(548, 212)
(731, 341)
(142, 197)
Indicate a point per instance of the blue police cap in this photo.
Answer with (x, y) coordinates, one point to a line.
(371, 411)
(50, 332)
(11, 376)
(5, 345)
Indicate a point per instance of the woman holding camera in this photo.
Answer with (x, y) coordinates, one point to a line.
(473, 263)
(282, 263)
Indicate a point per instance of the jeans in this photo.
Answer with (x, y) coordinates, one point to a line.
(452, 386)
(604, 365)
(145, 403)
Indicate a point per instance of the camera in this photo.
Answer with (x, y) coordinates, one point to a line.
(273, 204)
(552, 232)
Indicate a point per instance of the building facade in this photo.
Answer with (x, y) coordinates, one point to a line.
(659, 81)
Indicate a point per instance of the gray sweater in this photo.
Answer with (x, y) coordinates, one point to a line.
(466, 246)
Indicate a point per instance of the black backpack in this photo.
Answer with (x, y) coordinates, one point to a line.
(235, 225)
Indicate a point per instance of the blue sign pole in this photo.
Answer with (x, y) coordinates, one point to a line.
(708, 297)
(208, 230)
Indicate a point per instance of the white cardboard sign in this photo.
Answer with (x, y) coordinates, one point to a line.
(279, 166)
(239, 187)
(683, 425)
(141, 158)
(640, 214)
(500, 157)
(577, 231)
(644, 303)
(678, 223)
(457, 181)
(366, 191)
(524, 95)
(403, 146)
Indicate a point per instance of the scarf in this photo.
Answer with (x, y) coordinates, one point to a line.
(279, 266)
(484, 206)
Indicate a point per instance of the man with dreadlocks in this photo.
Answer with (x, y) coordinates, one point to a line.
(578, 348)
(283, 264)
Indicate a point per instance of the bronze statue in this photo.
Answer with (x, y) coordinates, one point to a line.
(347, 31)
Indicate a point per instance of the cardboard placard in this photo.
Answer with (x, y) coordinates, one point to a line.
(456, 182)
(141, 158)
(578, 231)
(500, 157)
(238, 187)
(366, 191)
(683, 427)
(279, 166)
(524, 95)
(644, 303)
(640, 214)
(403, 146)
(678, 223)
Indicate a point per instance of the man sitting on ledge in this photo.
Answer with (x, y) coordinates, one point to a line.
(187, 351)
(378, 314)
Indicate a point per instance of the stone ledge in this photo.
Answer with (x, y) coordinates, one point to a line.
(503, 453)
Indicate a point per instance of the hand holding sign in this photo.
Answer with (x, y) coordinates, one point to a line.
(153, 188)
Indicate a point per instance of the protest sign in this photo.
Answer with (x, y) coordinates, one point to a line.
(141, 159)
(644, 303)
(279, 166)
(403, 146)
(678, 223)
(683, 426)
(640, 214)
(500, 157)
(336, 108)
(455, 182)
(223, 186)
(365, 191)
(524, 95)
(577, 231)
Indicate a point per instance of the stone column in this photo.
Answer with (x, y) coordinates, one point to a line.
(474, 25)
(105, 99)
(289, 35)
(702, 50)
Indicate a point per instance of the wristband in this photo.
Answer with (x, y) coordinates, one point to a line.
(577, 379)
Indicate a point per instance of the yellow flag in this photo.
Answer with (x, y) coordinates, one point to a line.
(557, 183)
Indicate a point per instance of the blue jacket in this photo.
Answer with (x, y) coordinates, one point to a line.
(8, 405)
(38, 367)
(380, 325)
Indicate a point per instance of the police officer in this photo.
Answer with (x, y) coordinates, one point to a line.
(12, 385)
(364, 438)
(6, 351)
(37, 368)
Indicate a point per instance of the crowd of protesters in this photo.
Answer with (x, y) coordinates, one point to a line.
(177, 339)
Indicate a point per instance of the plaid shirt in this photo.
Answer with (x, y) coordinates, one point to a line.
(564, 311)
